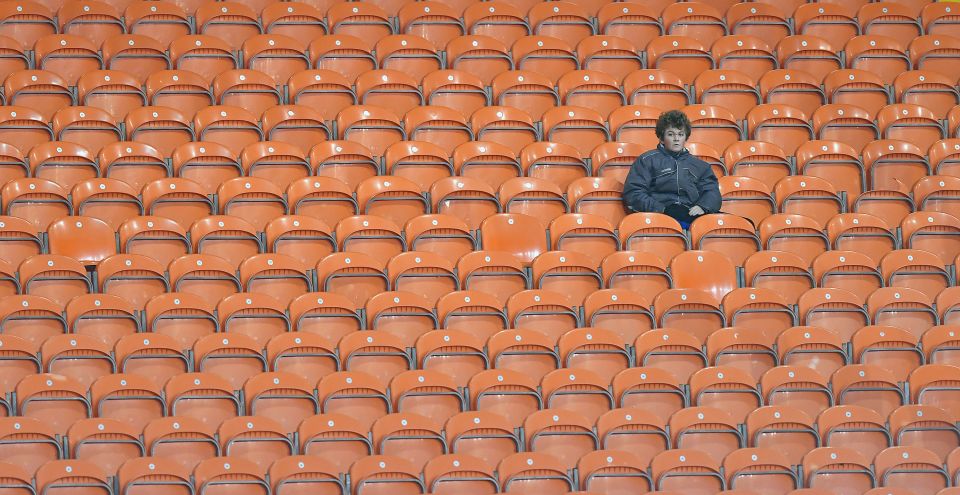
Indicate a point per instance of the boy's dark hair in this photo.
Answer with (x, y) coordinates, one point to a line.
(674, 119)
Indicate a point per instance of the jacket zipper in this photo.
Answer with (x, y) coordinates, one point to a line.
(676, 168)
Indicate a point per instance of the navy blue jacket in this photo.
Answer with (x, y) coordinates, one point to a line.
(659, 178)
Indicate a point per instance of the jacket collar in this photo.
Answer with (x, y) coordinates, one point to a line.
(667, 152)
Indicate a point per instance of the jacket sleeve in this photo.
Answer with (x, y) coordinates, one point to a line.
(709, 188)
(637, 189)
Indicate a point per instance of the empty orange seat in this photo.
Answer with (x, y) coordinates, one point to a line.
(749, 57)
(232, 23)
(694, 311)
(254, 199)
(367, 21)
(810, 54)
(837, 309)
(550, 313)
(203, 54)
(933, 232)
(566, 21)
(934, 52)
(685, 56)
(636, 22)
(929, 89)
(276, 55)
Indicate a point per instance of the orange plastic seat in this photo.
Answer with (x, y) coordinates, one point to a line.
(900, 18)
(436, 22)
(457, 354)
(686, 269)
(610, 57)
(854, 427)
(70, 56)
(888, 347)
(104, 317)
(182, 440)
(232, 23)
(367, 21)
(764, 21)
(37, 201)
(729, 235)
(255, 199)
(863, 233)
(936, 193)
(398, 474)
(231, 238)
(502, 232)
(746, 197)
(13, 164)
(230, 473)
(932, 90)
(475, 314)
(845, 123)
(653, 233)
(132, 399)
(939, 342)
(694, 311)
(469, 199)
(796, 387)
(931, 385)
(682, 55)
(43, 91)
(162, 128)
(633, 124)
(934, 52)
(931, 231)
(581, 128)
(354, 394)
(181, 89)
(402, 314)
(881, 55)
(72, 475)
(549, 313)
(939, 19)
(419, 162)
(687, 470)
(155, 357)
(66, 237)
(650, 386)
(502, 21)
(335, 57)
(83, 357)
(496, 273)
(301, 354)
(287, 395)
(841, 468)
(419, 438)
(249, 89)
(507, 126)
(920, 270)
(353, 275)
(56, 400)
(913, 469)
(726, 388)
(509, 394)
(728, 88)
(140, 472)
(478, 55)
(20, 240)
(632, 430)
(179, 200)
(163, 22)
(794, 233)
(202, 54)
(809, 54)
(860, 88)
(135, 54)
(334, 439)
(28, 23)
(829, 21)
(24, 126)
(431, 394)
(232, 359)
(425, 274)
(657, 88)
(409, 54)
(54, 276)
(277, 55)
(762, 310)
(90, 441)
(782, 429)
(750, 57)
(551, 57)
(638, 23)
(713, 125)
(579, 391)
(381, 355)
(673, 350)
(567, 21)
(700, 21)
(868, 386)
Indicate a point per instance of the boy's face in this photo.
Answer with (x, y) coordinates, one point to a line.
(674, 139)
